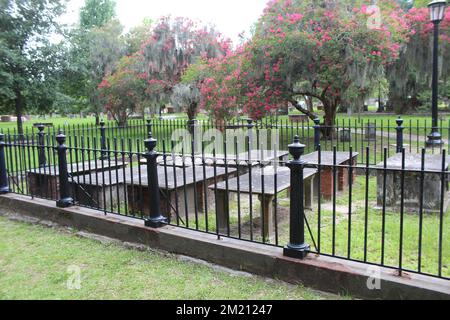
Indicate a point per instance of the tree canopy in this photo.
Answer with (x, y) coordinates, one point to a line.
(28, 58)
(97, 13)
(411, 74)
(171, 47)
(330, 50)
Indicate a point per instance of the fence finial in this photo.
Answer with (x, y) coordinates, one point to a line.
(296, 149)
(61, 137)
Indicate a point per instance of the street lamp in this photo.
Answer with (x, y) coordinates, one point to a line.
(437, 10)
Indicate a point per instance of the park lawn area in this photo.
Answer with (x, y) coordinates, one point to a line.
(381, 119)
(34, 262)
(57, 121)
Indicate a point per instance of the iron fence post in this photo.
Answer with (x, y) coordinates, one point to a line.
(41, 142)
(317, 129)
(4, 188)
(104, 152)
(297, 248)
(400, 129)
(155, 219)
(250, 127)
(65, 200)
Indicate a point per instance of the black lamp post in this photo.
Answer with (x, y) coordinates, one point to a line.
(437, 10)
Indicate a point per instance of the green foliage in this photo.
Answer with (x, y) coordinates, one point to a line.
(421, 3)
(28, 58)
(90, 54)
(136, 37)
(410, 75)
(97, 13)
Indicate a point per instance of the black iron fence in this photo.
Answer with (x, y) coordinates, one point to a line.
(387, 210)
(375, 134)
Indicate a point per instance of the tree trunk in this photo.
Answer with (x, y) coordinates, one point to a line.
(97, 119)
(19, 104)
(122, 120)
(309, 103)
(330, 109)
(310, 114)
(192, 111)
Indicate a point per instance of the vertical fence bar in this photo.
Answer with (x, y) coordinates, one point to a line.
(41, 142)
(400, 129)
(155, 219)
(104, 154)
(297, 248)
(4, 188)
(65, 200)
(316, 134)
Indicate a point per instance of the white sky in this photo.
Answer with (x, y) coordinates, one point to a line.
(230, 16)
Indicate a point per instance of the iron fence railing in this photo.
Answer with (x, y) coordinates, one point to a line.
(375, 134)
(388, 210)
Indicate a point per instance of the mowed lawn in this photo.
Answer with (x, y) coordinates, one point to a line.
(39, 263)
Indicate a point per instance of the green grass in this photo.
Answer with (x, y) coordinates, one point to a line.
(57, 121)
(430, 244)
(34, 263)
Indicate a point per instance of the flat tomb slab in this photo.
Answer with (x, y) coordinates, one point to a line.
(100, 190)
(170, 179)
(253, 158)
(432, 184)
(327, 181)
(283, 177)
(44, 182)
(414, 162)
(183, 190)
(79, 168)
(260, 182)
(327, 158)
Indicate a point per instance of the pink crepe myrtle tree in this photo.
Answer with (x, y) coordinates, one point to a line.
(125, 91)
(330, 50)
(174, 45)
(148, 77)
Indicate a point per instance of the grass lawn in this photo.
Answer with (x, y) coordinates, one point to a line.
(36, 262)
(372, 252)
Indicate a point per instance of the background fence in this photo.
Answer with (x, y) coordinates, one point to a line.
(377, 135)
(383, 204)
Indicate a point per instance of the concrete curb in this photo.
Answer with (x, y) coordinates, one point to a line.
(321, 273)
